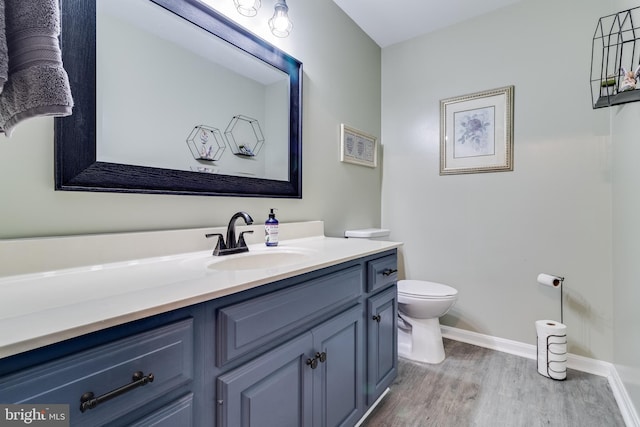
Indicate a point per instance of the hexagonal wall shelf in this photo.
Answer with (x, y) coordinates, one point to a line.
(244, 136)
(206, 143)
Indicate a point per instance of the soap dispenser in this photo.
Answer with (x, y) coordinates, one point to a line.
(271, 229)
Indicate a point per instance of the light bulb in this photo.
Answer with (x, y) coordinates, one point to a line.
(247, 7)
(280, 23)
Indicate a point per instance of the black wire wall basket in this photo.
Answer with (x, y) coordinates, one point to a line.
(615, 59)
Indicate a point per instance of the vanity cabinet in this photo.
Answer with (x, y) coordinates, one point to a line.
(315, 349)
(333, 370)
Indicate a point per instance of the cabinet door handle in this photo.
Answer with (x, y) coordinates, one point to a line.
(89, 401)
(377, 318)
(389, 271)
(319, 357)
(313, 363)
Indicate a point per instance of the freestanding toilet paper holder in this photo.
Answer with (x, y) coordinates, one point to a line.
(555, 344)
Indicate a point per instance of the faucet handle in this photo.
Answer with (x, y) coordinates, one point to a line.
(220, 246)
(241, 242)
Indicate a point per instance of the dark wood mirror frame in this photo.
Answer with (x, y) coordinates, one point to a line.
(76, 167)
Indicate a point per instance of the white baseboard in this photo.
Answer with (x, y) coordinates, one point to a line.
(487, 341)
(378, 400)
(625, 404)
(579, 363)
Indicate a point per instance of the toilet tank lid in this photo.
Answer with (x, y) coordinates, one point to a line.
(367, 233)
(423, 288)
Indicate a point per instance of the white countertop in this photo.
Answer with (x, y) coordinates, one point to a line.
(38, 309)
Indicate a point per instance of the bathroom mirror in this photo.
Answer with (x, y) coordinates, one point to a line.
(188, 133)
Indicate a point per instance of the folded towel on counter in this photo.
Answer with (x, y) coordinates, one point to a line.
(4, 54)
(37, 83)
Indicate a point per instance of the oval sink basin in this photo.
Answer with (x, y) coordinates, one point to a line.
(259, 260)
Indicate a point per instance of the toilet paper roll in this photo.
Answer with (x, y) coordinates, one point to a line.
(558, 370)
(552, 349)
(552, 357)
(557, 348)
(549, 280)
(555, 330)
(544, 360)
(557, 339)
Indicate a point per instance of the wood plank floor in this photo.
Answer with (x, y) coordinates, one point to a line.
(476, 386)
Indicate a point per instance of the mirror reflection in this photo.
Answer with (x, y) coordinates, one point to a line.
(180, 98)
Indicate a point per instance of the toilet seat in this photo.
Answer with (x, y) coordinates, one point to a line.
(421, 289)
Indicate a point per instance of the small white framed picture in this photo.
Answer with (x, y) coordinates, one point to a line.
(358, 147)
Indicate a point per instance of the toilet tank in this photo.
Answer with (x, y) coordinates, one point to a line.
(368, 233)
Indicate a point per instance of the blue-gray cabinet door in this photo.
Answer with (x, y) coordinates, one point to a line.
(273, 390)
(382, 335)
(339, 376)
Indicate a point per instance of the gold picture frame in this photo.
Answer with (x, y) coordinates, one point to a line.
(358, 147)
(476, 132)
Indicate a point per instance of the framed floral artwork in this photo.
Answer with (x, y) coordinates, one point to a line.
(358, 147)
(476, 132)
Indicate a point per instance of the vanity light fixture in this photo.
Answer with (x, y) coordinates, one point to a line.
(247, 7)
(280, 23)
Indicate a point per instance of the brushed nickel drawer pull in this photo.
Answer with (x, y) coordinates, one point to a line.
(89, 401)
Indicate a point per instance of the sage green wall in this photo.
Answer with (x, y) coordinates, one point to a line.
(626, 246)
(341, 85)
(626, 238)
(489, 235)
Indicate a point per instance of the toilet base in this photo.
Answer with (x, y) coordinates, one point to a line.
(423, 343)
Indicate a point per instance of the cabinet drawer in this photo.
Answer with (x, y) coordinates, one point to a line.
(382, 272)
(255, 323)
(178, 413)
(166, 353)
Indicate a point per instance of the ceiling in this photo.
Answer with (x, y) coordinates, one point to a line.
(389, 22)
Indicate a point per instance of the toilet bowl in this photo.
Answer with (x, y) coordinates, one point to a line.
(420, 305)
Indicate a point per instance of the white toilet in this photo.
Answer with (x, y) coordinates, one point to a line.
(420, 305)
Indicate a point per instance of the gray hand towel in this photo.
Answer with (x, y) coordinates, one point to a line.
(4, 54)
(37, 83)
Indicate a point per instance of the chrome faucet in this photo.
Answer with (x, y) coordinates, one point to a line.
(232, 246)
